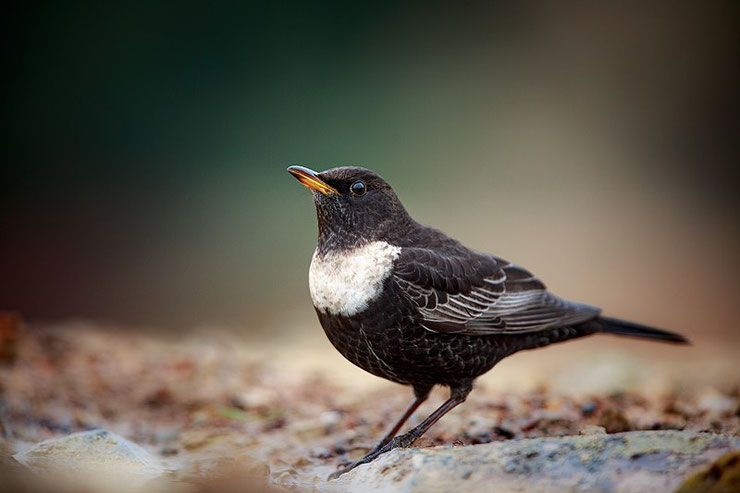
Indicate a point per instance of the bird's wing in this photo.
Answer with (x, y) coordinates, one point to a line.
(477, 294)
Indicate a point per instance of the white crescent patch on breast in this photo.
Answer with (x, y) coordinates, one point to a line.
(344, 283)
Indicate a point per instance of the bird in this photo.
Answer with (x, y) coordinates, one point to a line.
(408, 303)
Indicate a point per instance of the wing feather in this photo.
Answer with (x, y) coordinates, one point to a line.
(477, 294)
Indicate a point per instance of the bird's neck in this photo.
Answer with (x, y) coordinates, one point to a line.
(333, 238)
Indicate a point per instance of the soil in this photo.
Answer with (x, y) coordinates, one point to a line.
(209, 403)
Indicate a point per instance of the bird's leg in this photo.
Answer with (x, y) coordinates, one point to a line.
(457, 397)
(421, 394)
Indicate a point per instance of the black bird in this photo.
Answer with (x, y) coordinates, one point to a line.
(410, 304)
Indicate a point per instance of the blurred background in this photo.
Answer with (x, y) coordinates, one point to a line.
(145, 148)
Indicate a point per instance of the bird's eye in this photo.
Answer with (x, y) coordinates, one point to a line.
(358, 188)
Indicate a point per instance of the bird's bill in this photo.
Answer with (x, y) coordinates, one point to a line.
(311, 180)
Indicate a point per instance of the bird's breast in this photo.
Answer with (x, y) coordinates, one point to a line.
(345, 282)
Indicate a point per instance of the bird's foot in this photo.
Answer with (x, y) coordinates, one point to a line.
(401, 441)
(374, 450)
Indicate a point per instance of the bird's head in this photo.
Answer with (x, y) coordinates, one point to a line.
(354, 206)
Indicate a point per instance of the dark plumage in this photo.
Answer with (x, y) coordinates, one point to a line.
(407, 303)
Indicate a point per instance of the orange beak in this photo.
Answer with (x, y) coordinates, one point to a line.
(310, 179)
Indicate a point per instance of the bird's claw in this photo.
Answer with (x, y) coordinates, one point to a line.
(400, 441)
(348, 468)
(375, 449)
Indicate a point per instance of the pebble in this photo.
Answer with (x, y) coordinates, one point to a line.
(716, 403)
(592, 430)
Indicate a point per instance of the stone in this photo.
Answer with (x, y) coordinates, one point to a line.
(722, 476)
(647, 461)
(98, 459)
(592, 430)
(613, 421)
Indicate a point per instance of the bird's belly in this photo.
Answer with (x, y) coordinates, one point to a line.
(346, 282)
(396, 349)
(365, 350)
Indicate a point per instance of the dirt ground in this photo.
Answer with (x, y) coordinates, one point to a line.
(291, 410)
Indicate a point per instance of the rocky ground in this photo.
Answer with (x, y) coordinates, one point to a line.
(212, 412)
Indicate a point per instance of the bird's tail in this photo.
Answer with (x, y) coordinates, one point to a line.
(631, 329)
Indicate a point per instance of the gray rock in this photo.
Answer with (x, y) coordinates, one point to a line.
(642, 461)
(98, 458)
